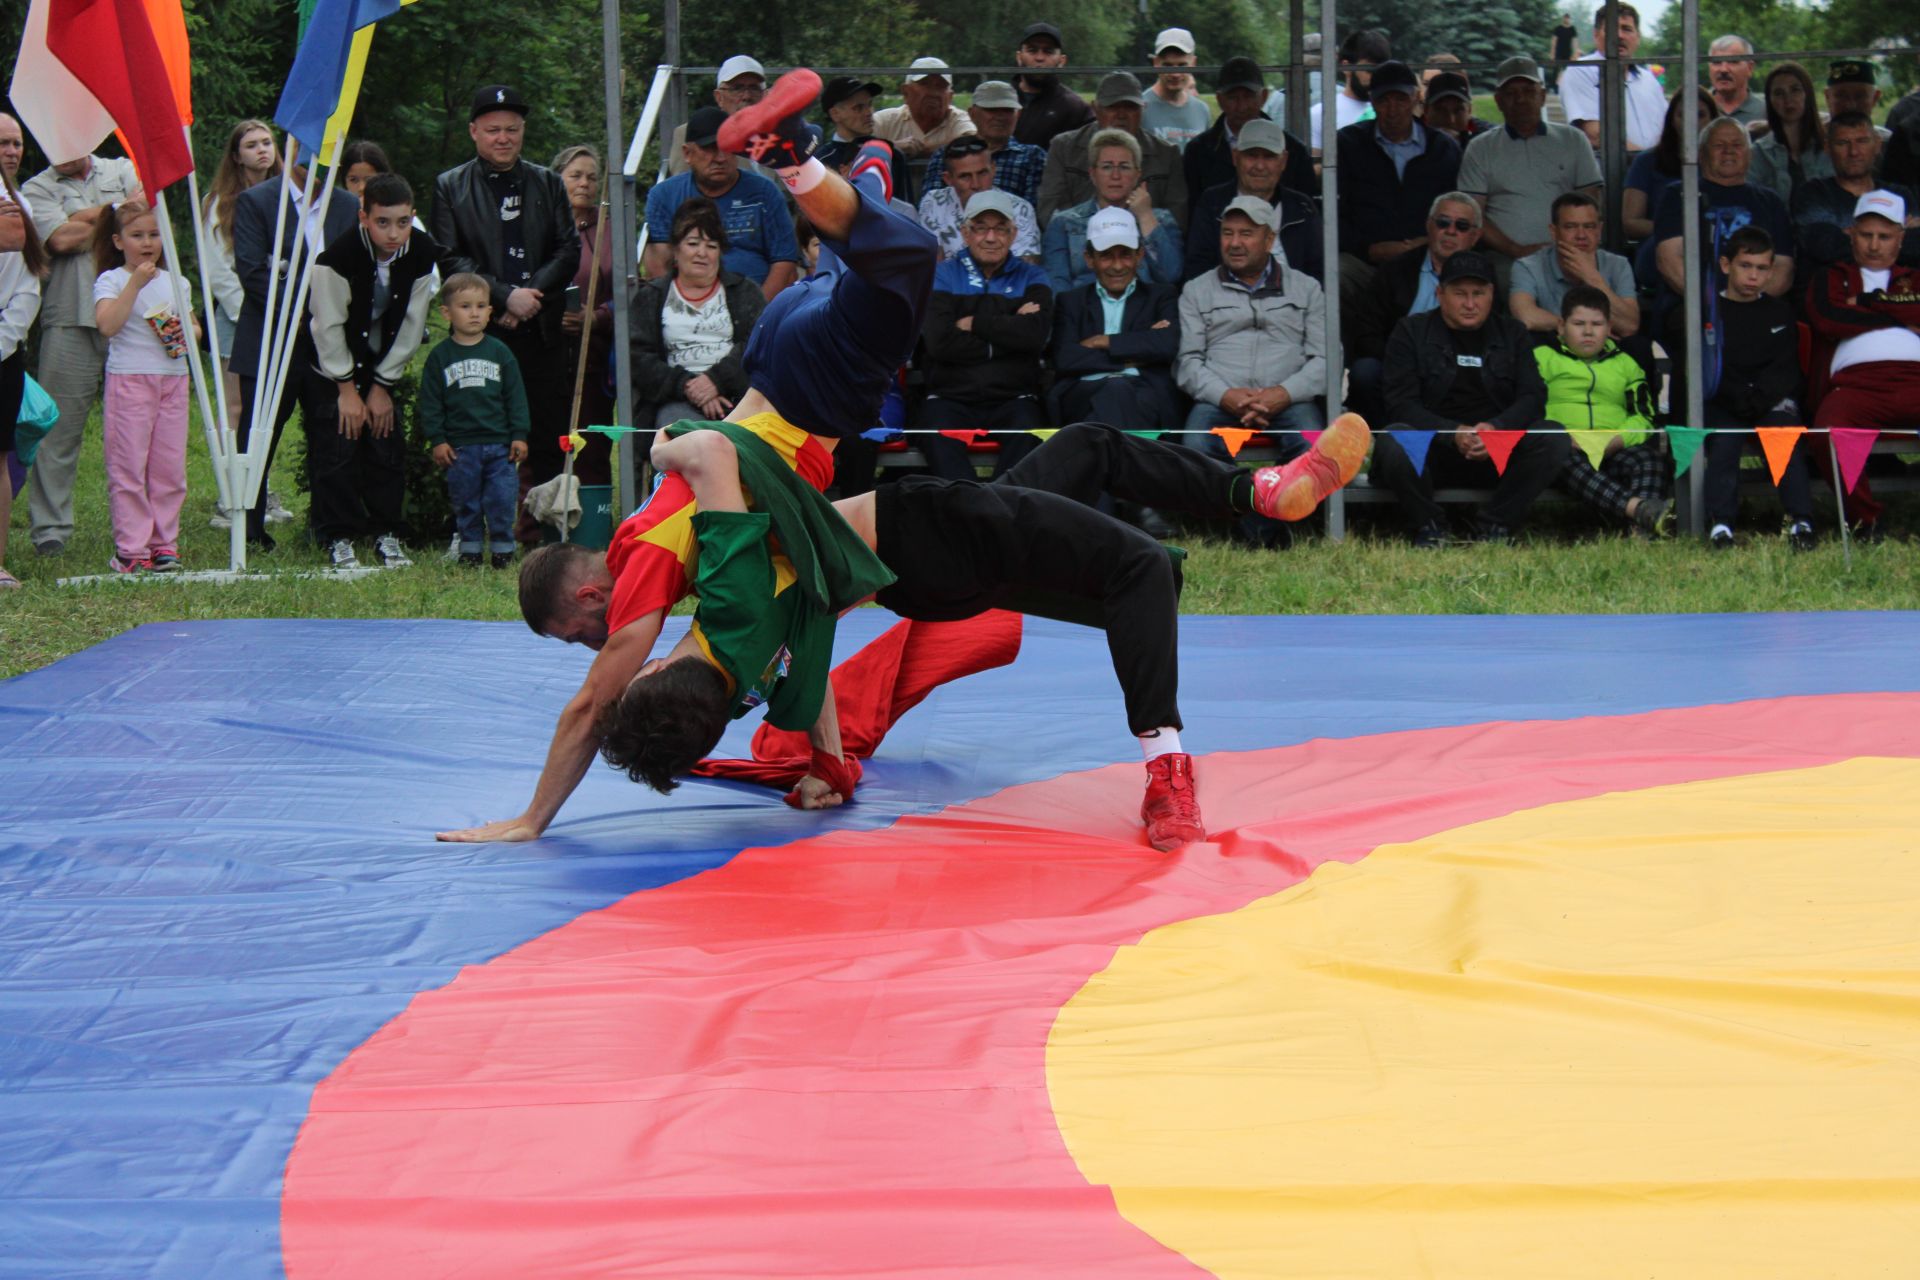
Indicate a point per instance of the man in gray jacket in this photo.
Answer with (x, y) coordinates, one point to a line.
(1252, 343)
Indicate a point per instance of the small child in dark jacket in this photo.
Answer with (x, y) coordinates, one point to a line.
(1759, 383)
(473, 411)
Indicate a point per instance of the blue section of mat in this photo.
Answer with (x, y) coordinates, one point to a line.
(217, 873)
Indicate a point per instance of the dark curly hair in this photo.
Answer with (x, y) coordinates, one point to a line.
(665, 723)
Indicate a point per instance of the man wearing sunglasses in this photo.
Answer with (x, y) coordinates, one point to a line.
(1017, 166)
(1407, 286)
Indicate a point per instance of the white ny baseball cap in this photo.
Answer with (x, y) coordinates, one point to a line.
(924, 68)
(1174, 38)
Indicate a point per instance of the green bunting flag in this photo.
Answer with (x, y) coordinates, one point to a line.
(1685, 443)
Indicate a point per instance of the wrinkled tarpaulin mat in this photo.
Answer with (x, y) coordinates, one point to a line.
(1529, 946)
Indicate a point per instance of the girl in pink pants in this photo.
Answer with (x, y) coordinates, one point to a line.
(146, 398)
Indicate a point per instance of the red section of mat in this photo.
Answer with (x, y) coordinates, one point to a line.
(828, 1059)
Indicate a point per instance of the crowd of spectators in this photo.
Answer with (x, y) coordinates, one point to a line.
(1145, 258)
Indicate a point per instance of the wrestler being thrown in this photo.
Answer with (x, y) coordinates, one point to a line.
(935, 550)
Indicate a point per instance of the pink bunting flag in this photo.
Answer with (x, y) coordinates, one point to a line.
(1235, 437)
(1311, 437)
(1500, 445)
(1851, 445)
(1778, 443)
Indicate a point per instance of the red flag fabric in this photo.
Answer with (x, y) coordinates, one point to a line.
(110, 47)
(875, 687)
(1852, 445)
(1778, 443)
(168, 22)
(1500, 445)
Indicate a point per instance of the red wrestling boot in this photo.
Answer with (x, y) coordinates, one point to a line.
(773, 131)
(1291, 492)
(1171, 810)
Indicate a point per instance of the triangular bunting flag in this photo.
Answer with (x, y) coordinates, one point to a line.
(1593, 443)
(967, 435)
(1311, 437)
(1685, 443)
(1416, 443)
(1500, 445)
(1778, 443)
(1852, 445)
(1236, 438)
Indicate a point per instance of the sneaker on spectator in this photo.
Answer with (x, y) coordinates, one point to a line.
(472, 559)
(166, 560)
(1653, 518)
(1170, 808)
(1868, 531)
(220, 519)
(117, 565)
(50, 547)
(392, 554)
(1801, 537)
(340, 551)
(277, 512)
(1721, 538)
(502, 559)
(1429, 537)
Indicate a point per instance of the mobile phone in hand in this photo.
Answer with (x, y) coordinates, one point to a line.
(573, 298)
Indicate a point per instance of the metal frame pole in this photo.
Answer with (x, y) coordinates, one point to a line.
(673, 112)
(620, 197)
(1613, 133)
(1330, 228)
(1299, 97)
(628, 248)
(1690, 242)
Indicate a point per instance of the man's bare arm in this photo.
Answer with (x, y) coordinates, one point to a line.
(574, 741)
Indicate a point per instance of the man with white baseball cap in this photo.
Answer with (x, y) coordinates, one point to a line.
(928, 120)
(742, 81)
(1173, 112)
(1868, 311)
(1115, 338)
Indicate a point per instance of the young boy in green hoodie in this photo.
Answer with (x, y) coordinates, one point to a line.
(1599, 394)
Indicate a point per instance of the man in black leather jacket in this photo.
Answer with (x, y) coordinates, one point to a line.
(510, 223)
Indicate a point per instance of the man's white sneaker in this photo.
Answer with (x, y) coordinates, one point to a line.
(392, 554)
(277, 512)
(342, 553)
(220, 520)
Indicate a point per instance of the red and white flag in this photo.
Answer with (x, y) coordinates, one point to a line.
(61, 113)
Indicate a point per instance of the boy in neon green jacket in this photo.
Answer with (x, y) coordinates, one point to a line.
(1600, 395)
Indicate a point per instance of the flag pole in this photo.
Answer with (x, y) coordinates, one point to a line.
(243, 458)
(303, 274)
(280, 352)
(183, 307)
(217, 443)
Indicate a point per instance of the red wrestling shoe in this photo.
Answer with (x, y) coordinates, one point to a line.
(1171, 810)
(1291, 492)
(773, 131)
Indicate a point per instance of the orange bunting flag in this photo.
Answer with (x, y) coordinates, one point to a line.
(1778, 443)
(1500, 445)
(1235, 437)
(1851, 445)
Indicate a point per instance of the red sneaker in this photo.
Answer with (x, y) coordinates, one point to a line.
(773, 131)
(1171, 810)
(1291, 492)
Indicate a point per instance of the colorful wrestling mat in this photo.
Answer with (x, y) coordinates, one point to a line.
(1526, 947)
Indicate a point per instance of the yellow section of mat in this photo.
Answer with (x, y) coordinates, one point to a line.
(1670, 1033)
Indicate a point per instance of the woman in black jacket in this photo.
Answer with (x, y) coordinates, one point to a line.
(690, 327)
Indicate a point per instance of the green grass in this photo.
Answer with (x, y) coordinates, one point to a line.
(1564, 569)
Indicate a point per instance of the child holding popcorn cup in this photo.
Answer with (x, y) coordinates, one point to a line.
(145, 406)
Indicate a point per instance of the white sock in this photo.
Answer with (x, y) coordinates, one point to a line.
(1161, 742)
(805, 177)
